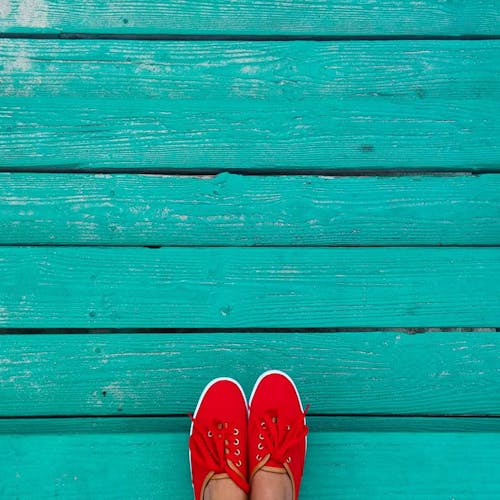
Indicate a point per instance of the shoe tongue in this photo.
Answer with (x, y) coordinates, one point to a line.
(274, 463)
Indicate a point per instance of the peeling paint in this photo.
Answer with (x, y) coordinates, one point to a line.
(32, 13)
(21, 62)
(250, 70)
(180, 217)
(4, 8)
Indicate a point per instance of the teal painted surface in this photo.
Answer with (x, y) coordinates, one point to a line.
(144, 135)
(63, 287)
(229, 210)
(375, 465)
(208, 73)
(439, 373)
(180, 424)
(266, 17)
(245, 105)
(276, 107)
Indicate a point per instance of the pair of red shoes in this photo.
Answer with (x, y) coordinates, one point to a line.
(232, 440)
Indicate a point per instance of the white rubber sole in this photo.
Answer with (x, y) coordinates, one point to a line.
(205, 390)
(277, 372)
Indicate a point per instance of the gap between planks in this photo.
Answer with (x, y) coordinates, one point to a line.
(243, 38)
(58, 424)
(211, 173)
(195, 331)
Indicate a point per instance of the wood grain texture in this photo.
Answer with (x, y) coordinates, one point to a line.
(245, 105)
(441, 373)
(411, 70)
(344, 465)
(181, 424)
(101, 287)
(267, 17)
(233, 210)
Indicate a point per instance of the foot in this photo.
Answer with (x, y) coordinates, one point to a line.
(223, 489)
(276, 434)
(218, 441)
(271, 486)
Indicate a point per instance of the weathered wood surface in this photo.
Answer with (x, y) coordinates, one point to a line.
(447, 373)
(211, 106)
(246, 17)
(106, 287)
(344, 465)
(180, 424)
(233, 210)
(110, 104)
(411, 70)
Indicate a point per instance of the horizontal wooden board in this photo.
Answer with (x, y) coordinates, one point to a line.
(233, 210)
(344, 465)
(104, 104)
(245, 17)
(384, 372)
(109, 287)
(211, 71)
(88, 134)
(151, 424)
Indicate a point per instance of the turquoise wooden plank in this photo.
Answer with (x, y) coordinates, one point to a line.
(180, 424)
(106, 287)
(337, 373)
(150, 135)
(407, 70)
(243, 105)
(233, 210)
(342, 465)
(267, 17)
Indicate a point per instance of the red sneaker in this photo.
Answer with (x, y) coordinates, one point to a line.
(218, 438)
(277, 428)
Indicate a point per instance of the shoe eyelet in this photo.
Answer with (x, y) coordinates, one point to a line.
(237, 453)
(261, 437)
(236, 432)
(260, 446)
(238, 463)
(209, 434)
(236, 442)
(258, 457)
(288, 460)
(226, 451)
(263, 425)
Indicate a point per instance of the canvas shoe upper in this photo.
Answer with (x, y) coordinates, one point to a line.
(277, 429)
(218, 438)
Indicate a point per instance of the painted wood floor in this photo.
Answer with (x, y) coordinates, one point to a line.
(192, 189)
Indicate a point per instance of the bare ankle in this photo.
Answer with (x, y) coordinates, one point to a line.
(271, 486)
(223, 489)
